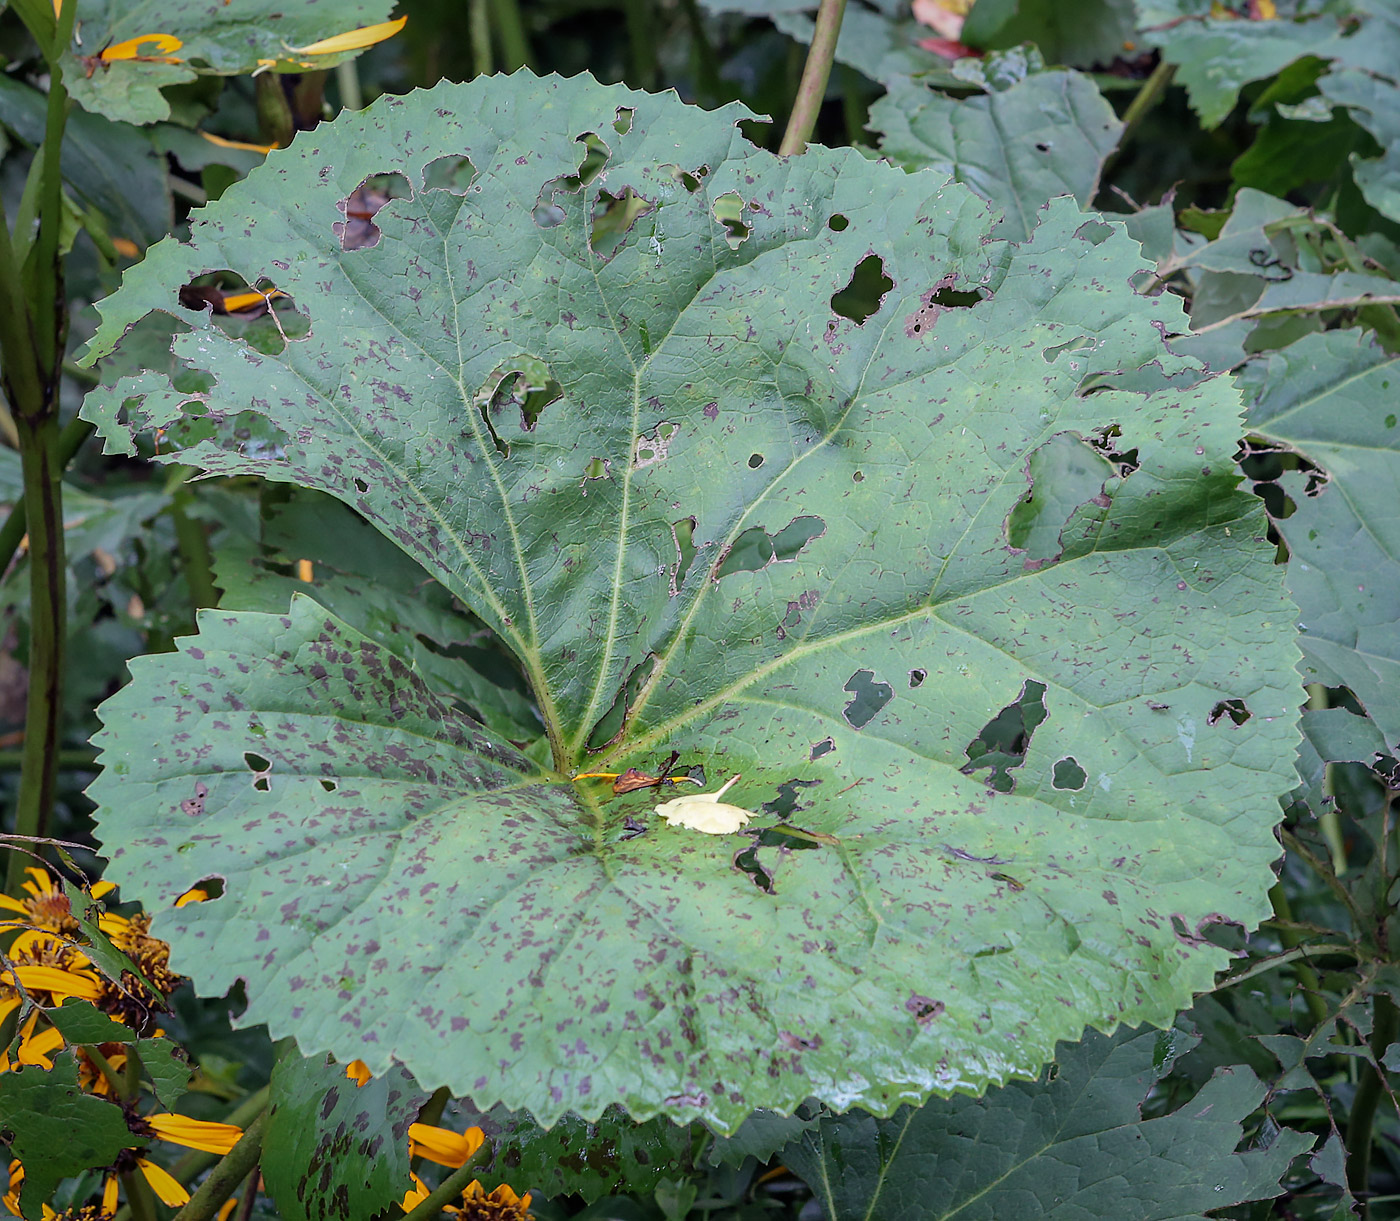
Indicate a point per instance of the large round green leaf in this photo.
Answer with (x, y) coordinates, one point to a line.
(1003, 646)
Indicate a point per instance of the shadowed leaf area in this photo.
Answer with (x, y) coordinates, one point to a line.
(744, 533)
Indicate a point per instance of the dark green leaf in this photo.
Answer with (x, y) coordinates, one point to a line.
(574, 1157)
(55, 1129)
(82, 1022)
(1044, 136)
(1080, 33)
(1072, 1146)
(334, 1149)
(1332, 398)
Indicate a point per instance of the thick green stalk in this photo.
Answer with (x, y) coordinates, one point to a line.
(48, 624)
(479, 30)
(196, 1161)
(1384, 1029)
(815, 74)
(1291, 938)
(195, 557)
(223, 1180)
(641, 37)
(510, 27)
(70, 440)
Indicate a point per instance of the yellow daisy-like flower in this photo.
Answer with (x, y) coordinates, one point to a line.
(48, 972)
(46, 906)
(34, 1049)
(442, 1145)
(478, 1204)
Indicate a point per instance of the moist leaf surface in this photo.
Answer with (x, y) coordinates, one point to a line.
(749, 530)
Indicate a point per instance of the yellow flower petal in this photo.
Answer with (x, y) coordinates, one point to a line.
(101, 889)
(358, 1072)
(353, 40)
(195, 894)
(51, 979)
(441, 1145)
(109, 1195)
(40, 1047)
(251, 148)
(415, 1195)
(196, 1133)
(131, 48)
(169, 1191)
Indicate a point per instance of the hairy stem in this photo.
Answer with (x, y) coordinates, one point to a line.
(815, 74)
(70, 441)
(193, 544)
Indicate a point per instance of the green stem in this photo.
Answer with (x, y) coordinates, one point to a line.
(479, 31)
(641, 37)
(140, 1200)
(1384, 1029)
(48, 629)
(223, 1180)
(347, 80)
(510, 26)
(702, 56)
(815, 74)
(44, 267)
(448, 1190)
(70, 441)
(1145, 99)
(1291, 938)
(1325, 872)
(193, 545)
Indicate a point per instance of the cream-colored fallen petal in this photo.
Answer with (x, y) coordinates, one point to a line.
(705, 812)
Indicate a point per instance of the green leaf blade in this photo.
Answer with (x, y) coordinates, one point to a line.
(539, 943)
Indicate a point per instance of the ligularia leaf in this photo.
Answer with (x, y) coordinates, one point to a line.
(836, 541)
(706, 812)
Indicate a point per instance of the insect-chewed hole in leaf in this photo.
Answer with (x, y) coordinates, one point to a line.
(916, 677)
(1068, 774)
(209, 889)
(746, 861)
(453, 173)
(259, 313)
(1270, 467)
(758, 132)
(824, 747)
(728, 210)
(683, 534)
(613, 218)
(261, 769)
(868, 697)
(837, 222)
(924, 1008)
(1004, 740)
(654, 446)
(858, 477)
(622, 124)
(755, 548)
(755, 461)
(548, 212)
(1095, 232)
(1080, 343)
(784, 805)
(1234, 709)
(358, 230)
(862, 297)
(598, 468)
(330, 785)
(360, 485)
(1105, 439)
(524, 385)
(611, 723)
(691, 180)
(1069, 495)
(941, 297)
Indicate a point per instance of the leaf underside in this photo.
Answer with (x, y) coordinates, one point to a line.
(748, 529)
